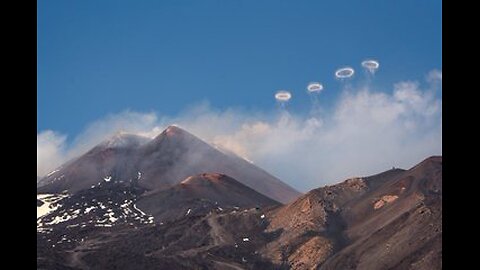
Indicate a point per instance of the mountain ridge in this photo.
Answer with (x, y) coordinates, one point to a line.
(162, 162)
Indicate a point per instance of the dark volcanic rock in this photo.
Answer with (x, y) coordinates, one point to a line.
(387, 221)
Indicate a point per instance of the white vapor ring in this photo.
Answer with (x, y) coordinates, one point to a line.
(345, 72)
(370, 64)
(314, 87)
(283, 95)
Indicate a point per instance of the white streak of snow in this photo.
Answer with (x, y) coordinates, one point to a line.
(88, 209)
(48, 200)
(134, 206)
(52, 172)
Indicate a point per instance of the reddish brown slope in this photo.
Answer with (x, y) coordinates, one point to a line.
(398, 225)
(387, 221)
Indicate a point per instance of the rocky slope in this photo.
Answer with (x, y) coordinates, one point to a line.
(392, 220)
(200, 194)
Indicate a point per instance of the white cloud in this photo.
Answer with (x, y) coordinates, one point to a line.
(434, 76)
(127, 121)
(366, 132)
(50, 151)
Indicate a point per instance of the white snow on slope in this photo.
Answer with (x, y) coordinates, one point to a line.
(48, 205)
(52, 172)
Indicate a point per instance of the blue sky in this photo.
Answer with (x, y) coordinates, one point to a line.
(213, 67)
(101, 57)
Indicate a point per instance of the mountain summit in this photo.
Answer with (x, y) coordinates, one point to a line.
(168, 159)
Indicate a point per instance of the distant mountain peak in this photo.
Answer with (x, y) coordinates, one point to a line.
(166, 160)
(174, 130)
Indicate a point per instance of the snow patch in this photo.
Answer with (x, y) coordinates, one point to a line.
(59, 219)
(103, 225)
(52, 172)
(112, 219)
(134, 206)
(49, 203)
(88, 209)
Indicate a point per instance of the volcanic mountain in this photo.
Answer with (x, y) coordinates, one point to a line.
(160, 163)
(392, 220)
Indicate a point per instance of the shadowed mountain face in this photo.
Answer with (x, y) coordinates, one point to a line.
(199, 194)
(159, 164)
(392, 220)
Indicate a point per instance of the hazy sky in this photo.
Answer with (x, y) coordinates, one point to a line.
(153, 62)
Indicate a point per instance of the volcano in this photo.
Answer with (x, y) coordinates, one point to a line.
(173, 203)
(160, 163)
